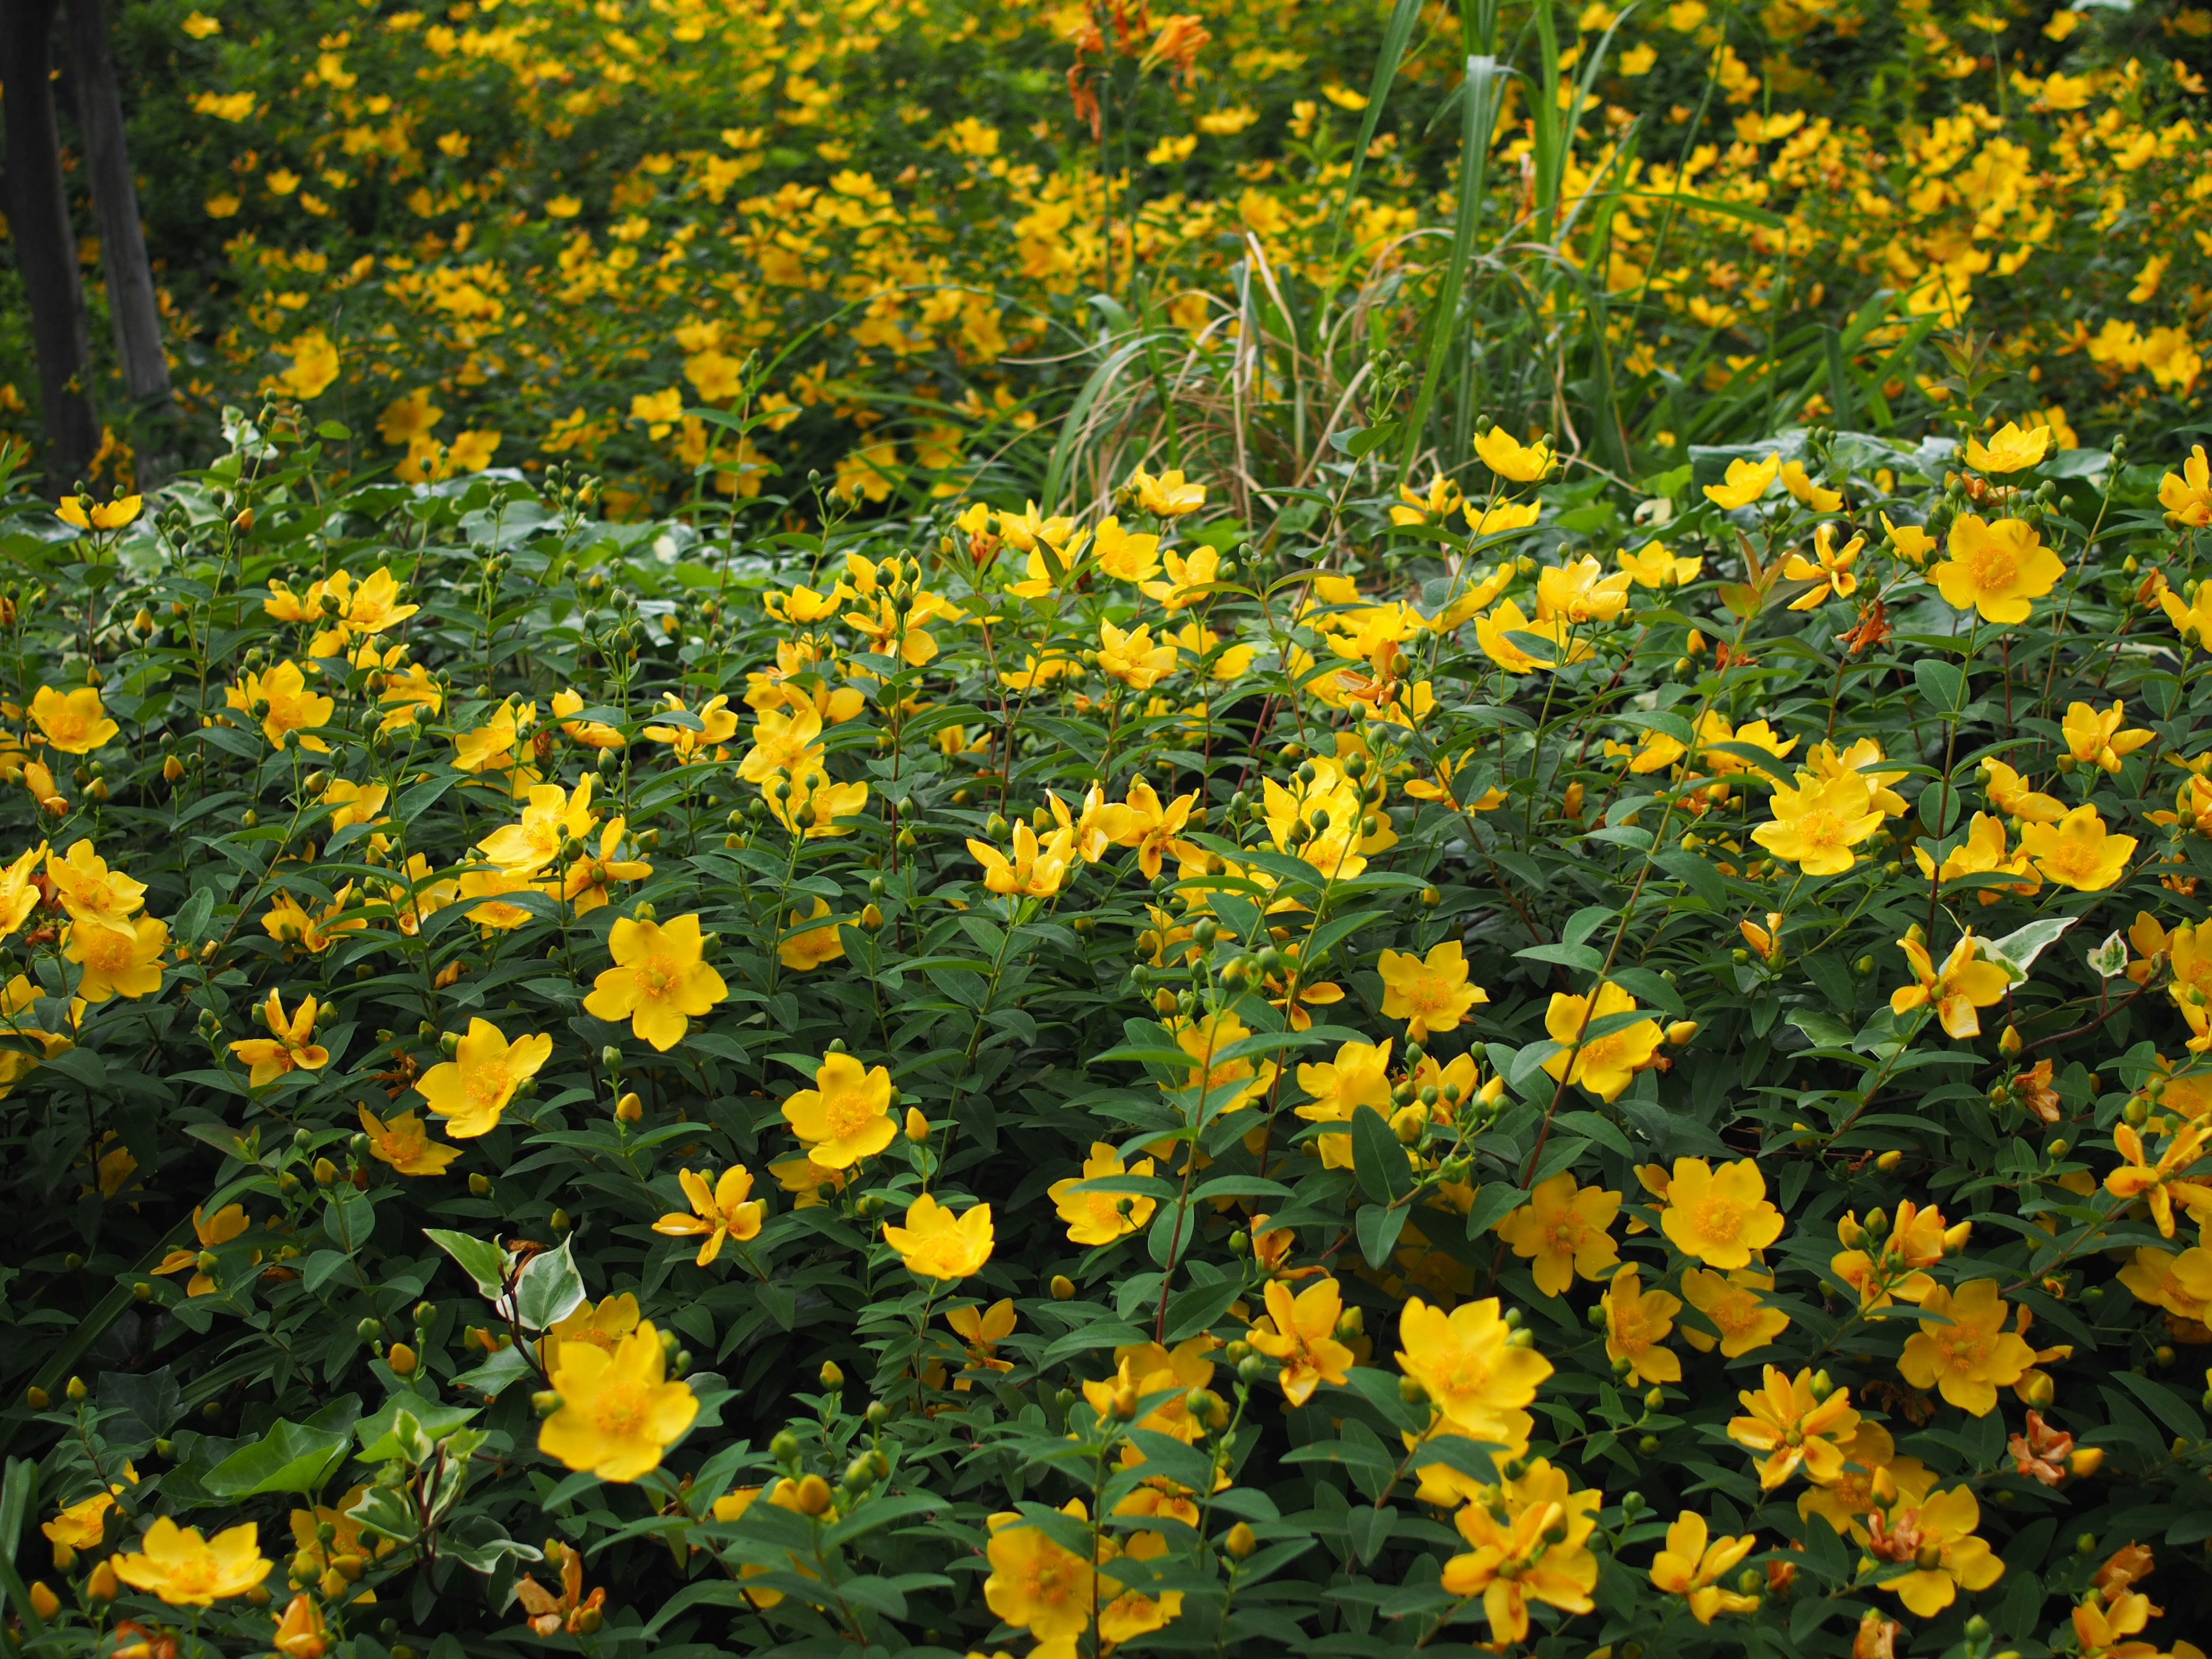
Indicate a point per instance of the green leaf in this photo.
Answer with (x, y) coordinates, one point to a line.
(290, 1458)
(482, 1261)
(1378, 1157)
(549, 1289)
(1378, 1227)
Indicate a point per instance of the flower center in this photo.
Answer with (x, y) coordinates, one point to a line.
(620, 1410)
(657, 975)
(849, 1113)
(1994, 567)
(1719, 1219)
(487, 1084)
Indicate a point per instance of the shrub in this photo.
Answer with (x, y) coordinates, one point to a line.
(1626, 1075)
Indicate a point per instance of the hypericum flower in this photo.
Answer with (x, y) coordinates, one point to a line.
(1468, 1361)
(1169, 495)
(1100, 1218)
(91, 892)
(585, 882)
(1189, 575)
(1134, 658)
(187, 1571)
(1637, 1323)
(1125, 556)
(2078, 851)
(1087, 828)
(593, 734)
(300, 1632)
(572, 1610)
(724, 1211)
(803, 949)
(1301, 1333)
(1938, 1538)
(20, 892)
(1430, 993)
(1606, 1063)
(290, 1046)
(2187, 495)
(1895, 1264)
(784, 740)
(211, 1231)
(1819, 820)
(2094, 738)
(472, 1089)
(1713, 728)
(801, 605)
(1791, 1427)
(1034, 1584)
(494, 743)
(1964, 983)
(983, 1330)
(1736, 1306)
(118, 964)
(1562, 1229)
(1719, 1215)
(1799, 482)
(1745, 482)
(1829, 569)
(75, 724)
(1493, 634)
(2170, 1179)
(2009, 449)
(1530, 1541)
(618, 1412)
(661, 980)
(1032, 868)
(1874, 1479)
(1908, 541)
(285, 704)
(847, 1116)
(1653, 566)
(1580, 592)
(2010, 794)
(1432, 508)
(936, 1245)
(1509, 457)
(551, 818)
(1973, 1355)
(88, 514)
(605, 1327)
(1691, 1568)
(1996, 569)
(718, 724)
(404, 1142)
(1981, 853)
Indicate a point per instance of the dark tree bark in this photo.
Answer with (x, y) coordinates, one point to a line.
(130, 302)
(45, 246)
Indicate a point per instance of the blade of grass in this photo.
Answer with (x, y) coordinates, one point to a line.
(1479, 114)
(1395, 35)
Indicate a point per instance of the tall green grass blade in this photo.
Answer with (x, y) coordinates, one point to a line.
(1396, 34)
(1478, 115)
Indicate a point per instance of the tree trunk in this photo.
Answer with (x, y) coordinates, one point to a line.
(45, 246)
(131, 302)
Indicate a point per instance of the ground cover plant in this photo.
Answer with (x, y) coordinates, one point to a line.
(1521, 1062)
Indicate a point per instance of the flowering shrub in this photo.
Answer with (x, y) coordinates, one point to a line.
(518, 232)
(1526, 1063)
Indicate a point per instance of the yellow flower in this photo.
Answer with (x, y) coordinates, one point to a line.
(803, 949)
(1637, 1323)
(75, 724)
(2009, 449)
(1125, 557)
(1300, 1331)
(1892, 1266)
(802, 605)
(115, 963)
(1653, 566)
(935, 1245)
(660, 982)
(2010, 794)
(1169, 495)
(1713, 728)
(404, 1143)
(1430, 993)
(1996, 569)
(300, 1632)
(1719, 1215)
(1792, 1428)
(2096, 738)
(88, 514)
(1433, 508)
(1908, 541)
(1603, 1064)
(1469, 1364)
(1562, 1229)
(1530, 1543)
(724, 1211)
(2187, 495)
(1509, 457)
(472, 1089)
(19, 893)
(1734, 1304)
(286, 703)
(1829, 568)
(290, 1046)
(2169, 1179)
(187, 1571)
(718, 724)
(1032, 868)
(1969, 1358)
(1817, 821)
(847, 1116)
(1132, 657)
(1691, 1567)
(1493, 633)
(1799, 484)
(2078, 851)
(1956, 1560)
(551, 818)
(92, 893)
(1579, 591)
(1963, 984)
(1745, 482)
(1981, 853)
(592, 734)
(81, 1525)
(220, 1228)
(585, 882)
(1035, 1584)
(1101, 1217)
(618, 1414)
(604, 1327)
